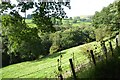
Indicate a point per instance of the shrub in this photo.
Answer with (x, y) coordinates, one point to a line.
(54, 48)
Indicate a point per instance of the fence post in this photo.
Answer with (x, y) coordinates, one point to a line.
(111, 48)
(60, 68)
(104, 49)
(60, 58)
(60, 76)
(116, 41)
(72, 67)
(93, 58)
(73, 59)
(73, 56)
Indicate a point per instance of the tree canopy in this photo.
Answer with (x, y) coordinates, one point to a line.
(107, 20)
(24, 41)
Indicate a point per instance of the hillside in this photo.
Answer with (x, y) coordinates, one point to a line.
(104, 69)
(47, 44)
(47, 67)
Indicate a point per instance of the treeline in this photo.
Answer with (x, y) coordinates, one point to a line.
(70, 19)
(71, 37)
(81, 19)
(20, 42)
(74, 20)
(107, 21)
(44, 44)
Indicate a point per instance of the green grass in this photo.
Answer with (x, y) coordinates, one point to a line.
(48, 66)
(78, 24)
(109, 69)
(40, 68)
(28, 20)
(30, 24)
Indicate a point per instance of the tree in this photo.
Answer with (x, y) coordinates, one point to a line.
(25, 6)
(74, 21)
(42, 15)
(108, 16)
(5, 56)
(108, 19)
(23, 40)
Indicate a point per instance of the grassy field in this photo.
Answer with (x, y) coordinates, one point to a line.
(29, 22)
(78, 24)
(48, 67)
(108, 69)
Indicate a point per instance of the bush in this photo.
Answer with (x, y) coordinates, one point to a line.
(28, 43)
(54, 48)
(71, 37)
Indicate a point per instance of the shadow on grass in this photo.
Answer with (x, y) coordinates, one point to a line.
(109, 69)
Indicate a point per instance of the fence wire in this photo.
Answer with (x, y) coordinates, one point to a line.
(79, 64)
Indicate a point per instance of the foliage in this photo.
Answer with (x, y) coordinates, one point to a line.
(109, 69)
(43, 14)
(37, 69)
(26, 42)
(107, 19)
(5, 56)
(102, 33)
(21, 38)
(74, 21)
(70, 37)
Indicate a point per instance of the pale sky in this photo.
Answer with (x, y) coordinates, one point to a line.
(83, 7)
(86, 7)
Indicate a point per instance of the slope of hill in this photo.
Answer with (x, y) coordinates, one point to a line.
(108, 69)
(48, 67)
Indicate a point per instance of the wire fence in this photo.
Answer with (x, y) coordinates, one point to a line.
(79, 64)
(66, 70)
(53, 70)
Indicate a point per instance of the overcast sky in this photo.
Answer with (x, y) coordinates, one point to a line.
(83, 7)
(87, 7)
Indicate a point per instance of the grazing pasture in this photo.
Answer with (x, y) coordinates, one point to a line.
(48, 66)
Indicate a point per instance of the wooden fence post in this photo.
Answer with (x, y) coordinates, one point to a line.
(104, 49)
(111, 48)
(72, 67)
(60, 77)
(60, 68)
(117, 42)
(93, 58)
(73, 59)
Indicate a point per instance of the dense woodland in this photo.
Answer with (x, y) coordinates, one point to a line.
(53, 31)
